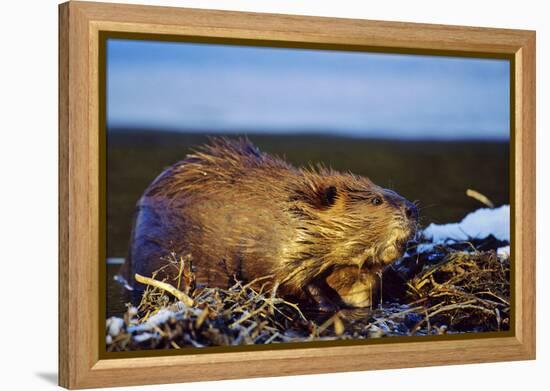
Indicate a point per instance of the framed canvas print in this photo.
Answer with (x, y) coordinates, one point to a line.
(248, 195)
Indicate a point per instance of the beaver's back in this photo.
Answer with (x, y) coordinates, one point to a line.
(223, 206)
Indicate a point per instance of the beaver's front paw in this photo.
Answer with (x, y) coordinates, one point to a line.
(321, 299)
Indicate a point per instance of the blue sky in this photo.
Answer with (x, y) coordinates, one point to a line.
(221, 88)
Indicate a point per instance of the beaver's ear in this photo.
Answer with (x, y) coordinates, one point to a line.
(316, 194)
(327, 196)
(323, 197)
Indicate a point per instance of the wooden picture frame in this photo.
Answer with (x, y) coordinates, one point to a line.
(81, 198)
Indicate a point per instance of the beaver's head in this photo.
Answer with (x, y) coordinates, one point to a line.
(348, 220)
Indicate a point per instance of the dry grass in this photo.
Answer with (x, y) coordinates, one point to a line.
(454, 288)
(466, 291)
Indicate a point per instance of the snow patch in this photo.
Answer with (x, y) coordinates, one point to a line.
(114, 326)
(153, 321)
(122, 281)
(425, 247)
(503, 252)
(143, 337)
(478, 224)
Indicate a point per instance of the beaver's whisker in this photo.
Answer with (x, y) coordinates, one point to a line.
(424, 207)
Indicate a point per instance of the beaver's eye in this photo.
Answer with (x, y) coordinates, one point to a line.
(376, 200)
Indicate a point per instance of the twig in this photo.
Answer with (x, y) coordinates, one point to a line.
(480, 197)
(166, 287)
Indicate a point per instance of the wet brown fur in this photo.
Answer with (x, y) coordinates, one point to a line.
(242, 214)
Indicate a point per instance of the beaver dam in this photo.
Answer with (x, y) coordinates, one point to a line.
(448, 282)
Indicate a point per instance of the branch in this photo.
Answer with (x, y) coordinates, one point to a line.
(165, 287)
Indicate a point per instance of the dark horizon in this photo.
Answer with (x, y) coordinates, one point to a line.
(324, 133)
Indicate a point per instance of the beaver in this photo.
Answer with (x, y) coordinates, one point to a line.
(241, 214)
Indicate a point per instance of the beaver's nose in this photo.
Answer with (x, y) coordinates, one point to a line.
(411, 211)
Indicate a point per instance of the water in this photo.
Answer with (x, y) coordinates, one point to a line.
(117, 295)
